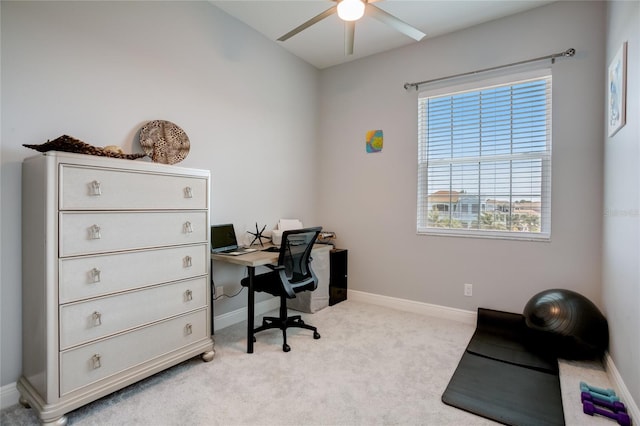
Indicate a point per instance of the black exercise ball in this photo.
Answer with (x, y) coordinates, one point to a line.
(567, 324)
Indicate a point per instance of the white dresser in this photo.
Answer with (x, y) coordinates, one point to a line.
(115, 276)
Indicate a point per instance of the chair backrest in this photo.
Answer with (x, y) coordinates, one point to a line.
(295, 256)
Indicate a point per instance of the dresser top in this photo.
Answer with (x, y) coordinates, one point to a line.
(116, 163)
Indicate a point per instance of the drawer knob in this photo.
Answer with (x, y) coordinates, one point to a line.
(97, 318)
(95, 361)
(94, 232)
(188, 228)
(95, 188)
(95, 275)
(188, 329)
(187, 262)
(188, 295)
(188, 193)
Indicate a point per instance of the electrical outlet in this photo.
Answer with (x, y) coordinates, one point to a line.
(468, 289)
(219, 290)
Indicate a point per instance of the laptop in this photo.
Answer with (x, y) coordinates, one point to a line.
(223, 241)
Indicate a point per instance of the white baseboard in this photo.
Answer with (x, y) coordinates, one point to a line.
(239, 315)
(9, 395)
(621, 388)
(460, 315)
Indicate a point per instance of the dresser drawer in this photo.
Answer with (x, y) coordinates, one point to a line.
(98, 275)
(101, 232)
(89, 188)
(96, 318)
(90, 363)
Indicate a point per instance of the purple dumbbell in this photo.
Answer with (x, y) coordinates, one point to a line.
(590, 409)
(616, 406)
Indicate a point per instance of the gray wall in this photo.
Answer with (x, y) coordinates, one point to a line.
(370, 199)
(99, 70)
(621, 242)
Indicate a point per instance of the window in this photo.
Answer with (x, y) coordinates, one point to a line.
(484, 158)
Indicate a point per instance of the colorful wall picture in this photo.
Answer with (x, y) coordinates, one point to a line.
(617, 91)
(374, 141)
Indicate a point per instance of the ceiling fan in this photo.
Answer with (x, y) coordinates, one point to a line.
(352, 10)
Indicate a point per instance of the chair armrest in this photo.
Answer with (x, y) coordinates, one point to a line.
(275, 267)
(286, 286)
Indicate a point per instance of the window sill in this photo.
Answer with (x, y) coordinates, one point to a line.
(522, 236)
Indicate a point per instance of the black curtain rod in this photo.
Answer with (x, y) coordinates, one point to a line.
(566, 53)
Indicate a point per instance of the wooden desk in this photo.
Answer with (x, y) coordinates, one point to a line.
(251, 261)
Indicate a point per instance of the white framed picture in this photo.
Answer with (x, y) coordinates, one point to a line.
(617, 91)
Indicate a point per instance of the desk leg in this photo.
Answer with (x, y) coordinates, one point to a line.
(250, 309)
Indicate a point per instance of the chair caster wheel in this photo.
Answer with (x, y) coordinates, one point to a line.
(316, 335)
(286, 348)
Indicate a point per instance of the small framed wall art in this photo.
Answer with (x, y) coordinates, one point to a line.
(617, 91)
(374, 141)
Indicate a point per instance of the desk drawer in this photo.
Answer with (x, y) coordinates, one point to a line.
(101, 232)
(99, 275)
(96, 318)
(89, 188)
(90, 363)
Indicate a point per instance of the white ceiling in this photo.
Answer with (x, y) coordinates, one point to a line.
(322, 45)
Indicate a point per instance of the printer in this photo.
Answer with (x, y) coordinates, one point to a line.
(284, 225)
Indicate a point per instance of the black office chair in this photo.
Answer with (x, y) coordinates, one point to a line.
(291, 275)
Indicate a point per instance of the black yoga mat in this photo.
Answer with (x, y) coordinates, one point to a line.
(503, 378)
(504, 336)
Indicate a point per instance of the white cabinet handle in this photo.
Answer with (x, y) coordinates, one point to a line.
(187, 262)
(97, 318)
(188, 295)
(188, 329)
(95, 275)
(188, 228)
(94, 232)
(188, 193)
(95, 188)
(95, 361)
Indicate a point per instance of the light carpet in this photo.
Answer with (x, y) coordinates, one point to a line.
(372, 366)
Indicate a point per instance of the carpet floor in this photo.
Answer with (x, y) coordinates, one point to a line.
(372, 366)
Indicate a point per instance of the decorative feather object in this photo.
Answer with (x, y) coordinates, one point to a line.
(69, 144)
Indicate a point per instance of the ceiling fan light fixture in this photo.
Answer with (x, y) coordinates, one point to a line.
(350, 10)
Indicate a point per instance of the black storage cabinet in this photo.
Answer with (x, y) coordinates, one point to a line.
(338, 276)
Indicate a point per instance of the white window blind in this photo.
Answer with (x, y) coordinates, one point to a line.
(484, 158)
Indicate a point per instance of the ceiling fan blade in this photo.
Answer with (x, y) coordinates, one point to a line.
(394, 22)
(309, 23)
(349, 34)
